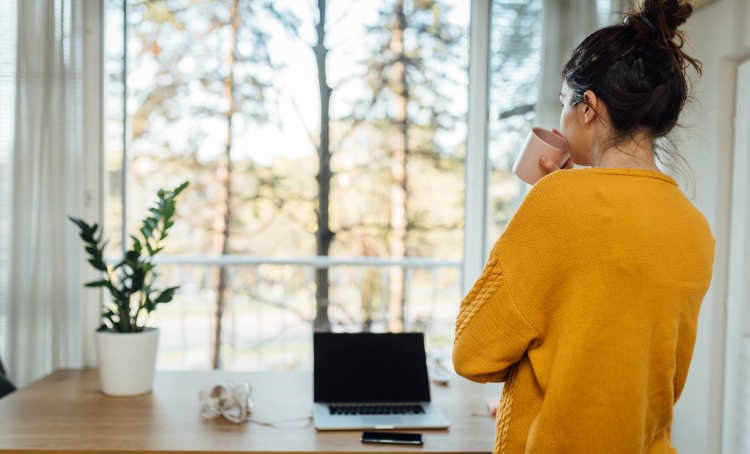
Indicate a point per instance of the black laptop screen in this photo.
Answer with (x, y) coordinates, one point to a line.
(369, 367)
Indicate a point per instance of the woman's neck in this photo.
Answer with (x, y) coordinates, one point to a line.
(635, 153)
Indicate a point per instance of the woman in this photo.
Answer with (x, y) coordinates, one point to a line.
(587, 307)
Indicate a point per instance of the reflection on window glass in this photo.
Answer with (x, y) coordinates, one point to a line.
(516, 46)
(351, 147)
(515, 57)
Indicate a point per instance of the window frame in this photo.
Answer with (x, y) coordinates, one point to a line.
(477, 163)
(477, 160)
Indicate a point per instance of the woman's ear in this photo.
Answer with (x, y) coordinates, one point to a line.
(591, 108)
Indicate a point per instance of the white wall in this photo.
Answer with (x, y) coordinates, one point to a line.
(720, 38)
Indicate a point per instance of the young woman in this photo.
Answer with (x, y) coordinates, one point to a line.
(587, 307)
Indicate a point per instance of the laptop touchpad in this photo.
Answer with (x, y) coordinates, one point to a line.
(381, 420)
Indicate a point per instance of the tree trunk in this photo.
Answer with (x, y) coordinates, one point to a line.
(371, 279)
(398, 192)
(225, 219)
(323, 236)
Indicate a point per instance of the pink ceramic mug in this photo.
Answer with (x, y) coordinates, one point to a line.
(540, 142)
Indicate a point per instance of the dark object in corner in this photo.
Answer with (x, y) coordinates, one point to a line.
(6, 387)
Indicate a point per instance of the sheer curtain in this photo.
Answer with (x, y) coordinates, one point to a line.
(43, 174)
(7, 97)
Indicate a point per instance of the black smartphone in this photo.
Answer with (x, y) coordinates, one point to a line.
(392, 438)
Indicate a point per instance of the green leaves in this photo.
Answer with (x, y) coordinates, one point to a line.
(155, 227)
(132, 281)
(93, 245)
(164, 297)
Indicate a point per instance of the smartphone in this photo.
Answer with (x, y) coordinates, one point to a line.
(392, 438)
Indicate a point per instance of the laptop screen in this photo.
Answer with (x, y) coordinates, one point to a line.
(369, 367)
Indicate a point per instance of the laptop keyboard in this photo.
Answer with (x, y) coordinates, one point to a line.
(377, 409)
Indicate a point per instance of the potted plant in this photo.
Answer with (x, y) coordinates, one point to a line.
(126, 347)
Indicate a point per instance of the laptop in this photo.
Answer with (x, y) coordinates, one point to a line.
(372, 381)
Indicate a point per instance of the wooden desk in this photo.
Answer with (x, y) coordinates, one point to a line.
(66, 413)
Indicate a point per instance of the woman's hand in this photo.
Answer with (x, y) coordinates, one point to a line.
(550, 165)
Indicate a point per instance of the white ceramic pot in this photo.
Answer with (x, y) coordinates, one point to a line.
(127, 361)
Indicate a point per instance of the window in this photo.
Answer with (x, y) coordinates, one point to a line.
(515, 57)
(336, 203)
(227, 96)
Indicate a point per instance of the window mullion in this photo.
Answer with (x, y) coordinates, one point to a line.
(477, 161)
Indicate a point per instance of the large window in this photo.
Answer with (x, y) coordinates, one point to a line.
(325, 145)
(330, 199)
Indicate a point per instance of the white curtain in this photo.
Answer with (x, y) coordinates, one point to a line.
(43, 305)
(565, 23)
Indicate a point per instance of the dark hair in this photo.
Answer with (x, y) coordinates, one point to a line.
(637, 68)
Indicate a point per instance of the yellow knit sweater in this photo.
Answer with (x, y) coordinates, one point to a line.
(587, 310)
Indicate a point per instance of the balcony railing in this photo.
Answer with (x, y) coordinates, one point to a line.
(270, 306)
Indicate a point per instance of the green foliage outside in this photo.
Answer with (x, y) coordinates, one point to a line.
(210, 81)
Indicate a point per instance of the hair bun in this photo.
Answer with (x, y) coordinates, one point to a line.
(661, 18)
(665, 15)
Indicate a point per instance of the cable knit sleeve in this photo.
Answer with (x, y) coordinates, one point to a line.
(503, 313)
(491, 334)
